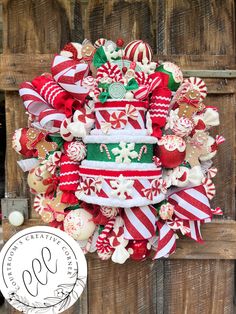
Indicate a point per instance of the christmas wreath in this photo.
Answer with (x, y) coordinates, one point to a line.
(118, 149)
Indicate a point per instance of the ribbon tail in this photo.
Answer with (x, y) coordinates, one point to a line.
(166, 240)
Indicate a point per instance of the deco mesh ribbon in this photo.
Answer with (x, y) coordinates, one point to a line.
(119, 150)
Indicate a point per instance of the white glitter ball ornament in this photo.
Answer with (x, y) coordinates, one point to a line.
(79, 225)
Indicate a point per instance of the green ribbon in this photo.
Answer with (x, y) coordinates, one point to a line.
(94, 152)
(58, 140)
(103, 97)
(99, 57)
(132, 85)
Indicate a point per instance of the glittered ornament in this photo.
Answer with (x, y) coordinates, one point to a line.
(79, 225)
(171, 151)
(139, 250)
(20, 143)
(182, 127)
(174, 73)
(120, 42)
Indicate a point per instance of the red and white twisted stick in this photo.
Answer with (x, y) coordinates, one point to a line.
(104, 248)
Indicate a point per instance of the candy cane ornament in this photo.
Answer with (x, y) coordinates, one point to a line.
(104, 147)
(104, 248)
(143, 150)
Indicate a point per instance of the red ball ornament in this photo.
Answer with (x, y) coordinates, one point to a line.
(120, 42)
(124, 69)
(171, 150)
(139, 250)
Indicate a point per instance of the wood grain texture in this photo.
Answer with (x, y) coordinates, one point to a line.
(16, 185)
(121, 19)
(193, 287)
(18, 68)
(45, 26)
(219, 240)
(113, 288)
(195, 27)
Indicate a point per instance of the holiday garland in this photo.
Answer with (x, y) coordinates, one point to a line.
(118, 149)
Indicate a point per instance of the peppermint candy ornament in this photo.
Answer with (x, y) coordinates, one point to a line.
(197, 84)
(76, 151)
(100, 42)
(118, 120)
(182, 127)
(137, 50)
(64, 131)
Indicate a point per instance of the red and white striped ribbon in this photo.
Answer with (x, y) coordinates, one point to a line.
(194, 230)
(69, 74)
(51, 119)
(139, 222)
(191, 204)
(166, 240)
(33, 102)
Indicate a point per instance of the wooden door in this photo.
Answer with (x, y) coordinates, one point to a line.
(199, 35)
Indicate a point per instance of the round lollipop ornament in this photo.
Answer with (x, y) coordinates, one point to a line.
(76, 150)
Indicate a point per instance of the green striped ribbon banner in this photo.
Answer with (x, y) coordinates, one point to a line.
(103, 152)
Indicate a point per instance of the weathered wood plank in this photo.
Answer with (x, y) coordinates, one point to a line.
(194, 287)
(194, 61)
(14, 69)
(45, 26)
(219, 240)
(196, 27)
(17, 68)
(16, 185)
(132, 288)
(126, 19)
